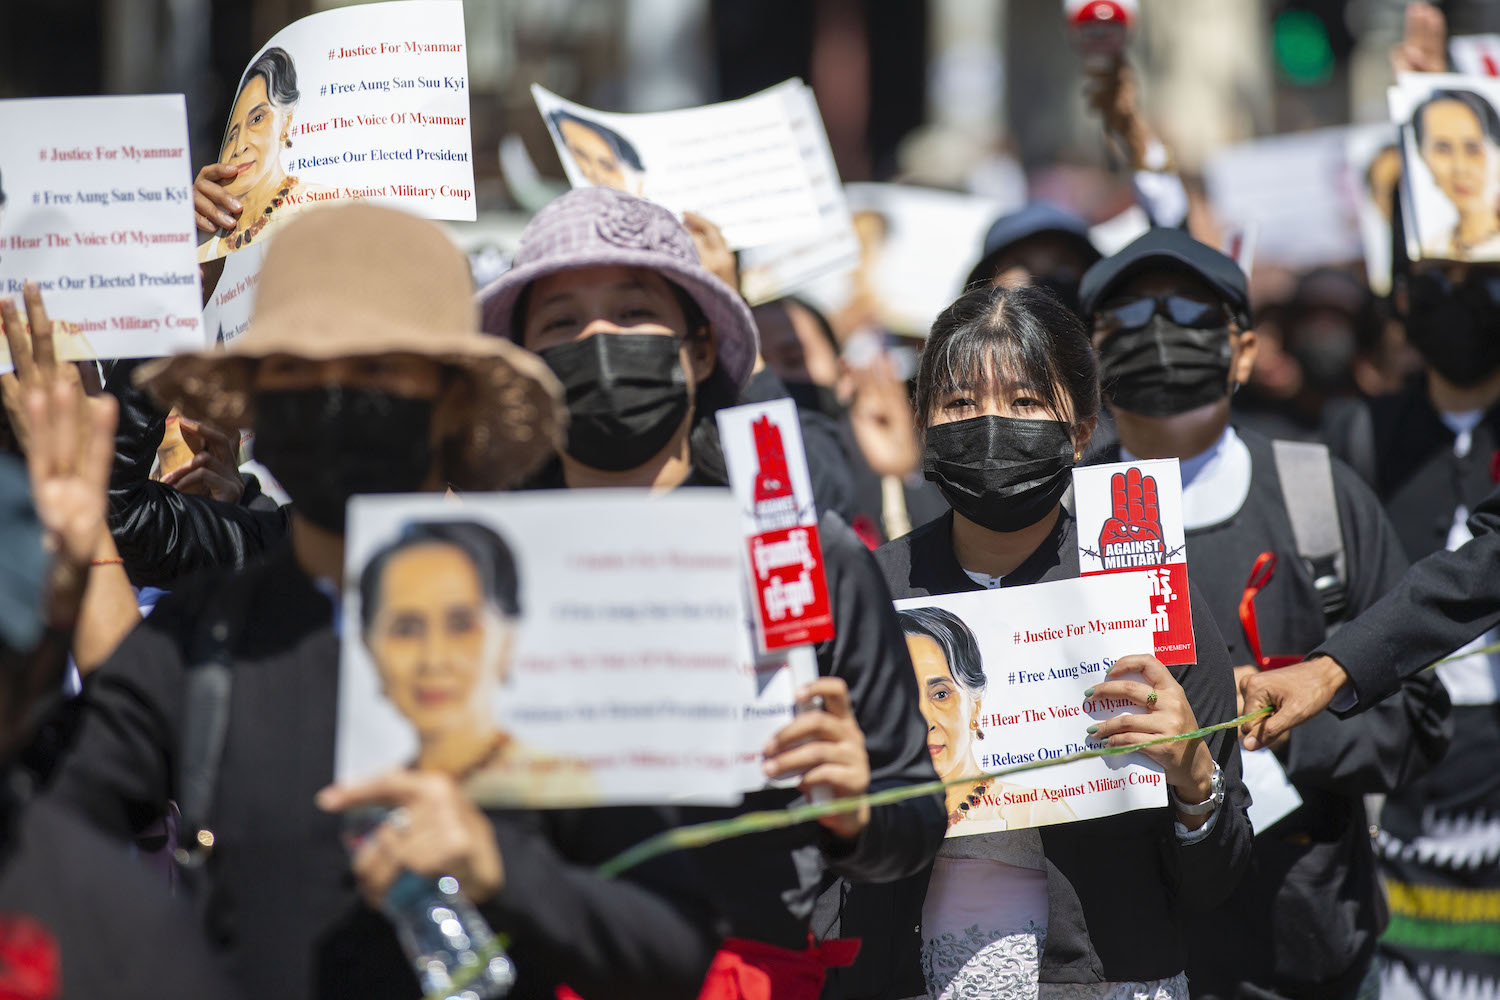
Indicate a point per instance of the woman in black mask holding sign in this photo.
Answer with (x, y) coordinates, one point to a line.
(1007, 391)
(647, 344)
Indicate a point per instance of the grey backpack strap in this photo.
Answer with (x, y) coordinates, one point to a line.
(208, 685)
(1306, 474)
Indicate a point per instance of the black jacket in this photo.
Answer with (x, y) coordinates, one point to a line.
(117, 931)
(1305, 918)
(1126, 925)
(162, 534)
(279, 905)
(769, 882)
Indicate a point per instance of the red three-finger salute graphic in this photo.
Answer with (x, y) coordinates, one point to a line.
(1138, 522)
(1132, 536)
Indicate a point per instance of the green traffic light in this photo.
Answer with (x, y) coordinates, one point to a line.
(1303, 52)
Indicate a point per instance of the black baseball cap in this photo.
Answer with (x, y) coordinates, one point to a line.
(1035, 219)
(1169, 249)
(23, 570)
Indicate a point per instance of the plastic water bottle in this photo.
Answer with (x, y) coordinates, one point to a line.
(451, 947)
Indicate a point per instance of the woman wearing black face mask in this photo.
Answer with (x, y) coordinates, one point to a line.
(1007, 392)
(608, 289)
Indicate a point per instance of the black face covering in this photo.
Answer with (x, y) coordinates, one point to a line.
(813, 398)
(1162, 369)
(626, 393)
(327, 444)
(1457, 334)
(1002, 473)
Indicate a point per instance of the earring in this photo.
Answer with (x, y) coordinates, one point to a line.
(974, 725)
(287, 142)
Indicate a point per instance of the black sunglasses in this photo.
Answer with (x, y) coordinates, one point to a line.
(1134, 313)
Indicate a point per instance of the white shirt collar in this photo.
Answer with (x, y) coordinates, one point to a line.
(1215, 484)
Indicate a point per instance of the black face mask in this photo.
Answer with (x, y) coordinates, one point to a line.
(626, 393)
(1162, 369)
(1456, 329)
(1002, 473)
(813, 398)
(327, 444)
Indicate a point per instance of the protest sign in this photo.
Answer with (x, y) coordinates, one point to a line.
(1294, 189)
(1373, 157)
(788, 599)
(738, 164)
(528, 645)
(776, 269)
(366, 102)
(773, 490)
(1272, 795)
(97, 210)
(917, 246)
(1001, 676)
(1130, 521)
(1450, 133)
(1475, 55)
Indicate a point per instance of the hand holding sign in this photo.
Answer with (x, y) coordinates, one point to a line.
(1136, 517)
(827, 747)
(1188, 764)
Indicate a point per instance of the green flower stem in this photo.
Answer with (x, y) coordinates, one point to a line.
(702, 834)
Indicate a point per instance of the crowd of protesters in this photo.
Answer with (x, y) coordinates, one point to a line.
(170, 826)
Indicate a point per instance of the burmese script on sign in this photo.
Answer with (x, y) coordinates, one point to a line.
(1002, 675)
(98, 212)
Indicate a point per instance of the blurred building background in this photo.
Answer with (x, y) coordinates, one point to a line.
(976, 94)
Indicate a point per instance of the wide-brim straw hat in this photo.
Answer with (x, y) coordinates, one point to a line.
(602, 227)
(357, 280)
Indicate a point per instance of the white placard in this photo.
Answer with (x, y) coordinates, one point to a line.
(620, 680)
(1272, 796)
(917, 246)
(1037, 649)
(738, 164)
(1130, 521)
(1373, 157)
(1453, 175)
(1294, 188)
(1475, 55)
(771, 271)
(366, 102)
(98, 212)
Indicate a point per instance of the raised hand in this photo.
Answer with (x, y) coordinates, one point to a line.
(33, 352)
(713, 249)
(1136, 516)
(213, 470)
(882, 420)
(1424, 45)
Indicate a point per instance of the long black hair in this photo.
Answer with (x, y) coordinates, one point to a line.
(992, 335)
(957, 642)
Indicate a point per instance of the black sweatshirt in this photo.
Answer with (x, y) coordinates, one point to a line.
(1114, 915)
(769, 882)
(279, 904)
(1304, 921)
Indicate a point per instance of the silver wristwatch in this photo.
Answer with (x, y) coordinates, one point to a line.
(1214, 800)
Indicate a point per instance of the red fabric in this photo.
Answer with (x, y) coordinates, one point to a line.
(30, 967)
(1495, 464)
(864, 527)
(753, 970)
(1260, 576)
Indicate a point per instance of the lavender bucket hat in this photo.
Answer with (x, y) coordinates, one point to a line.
(602, 227)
